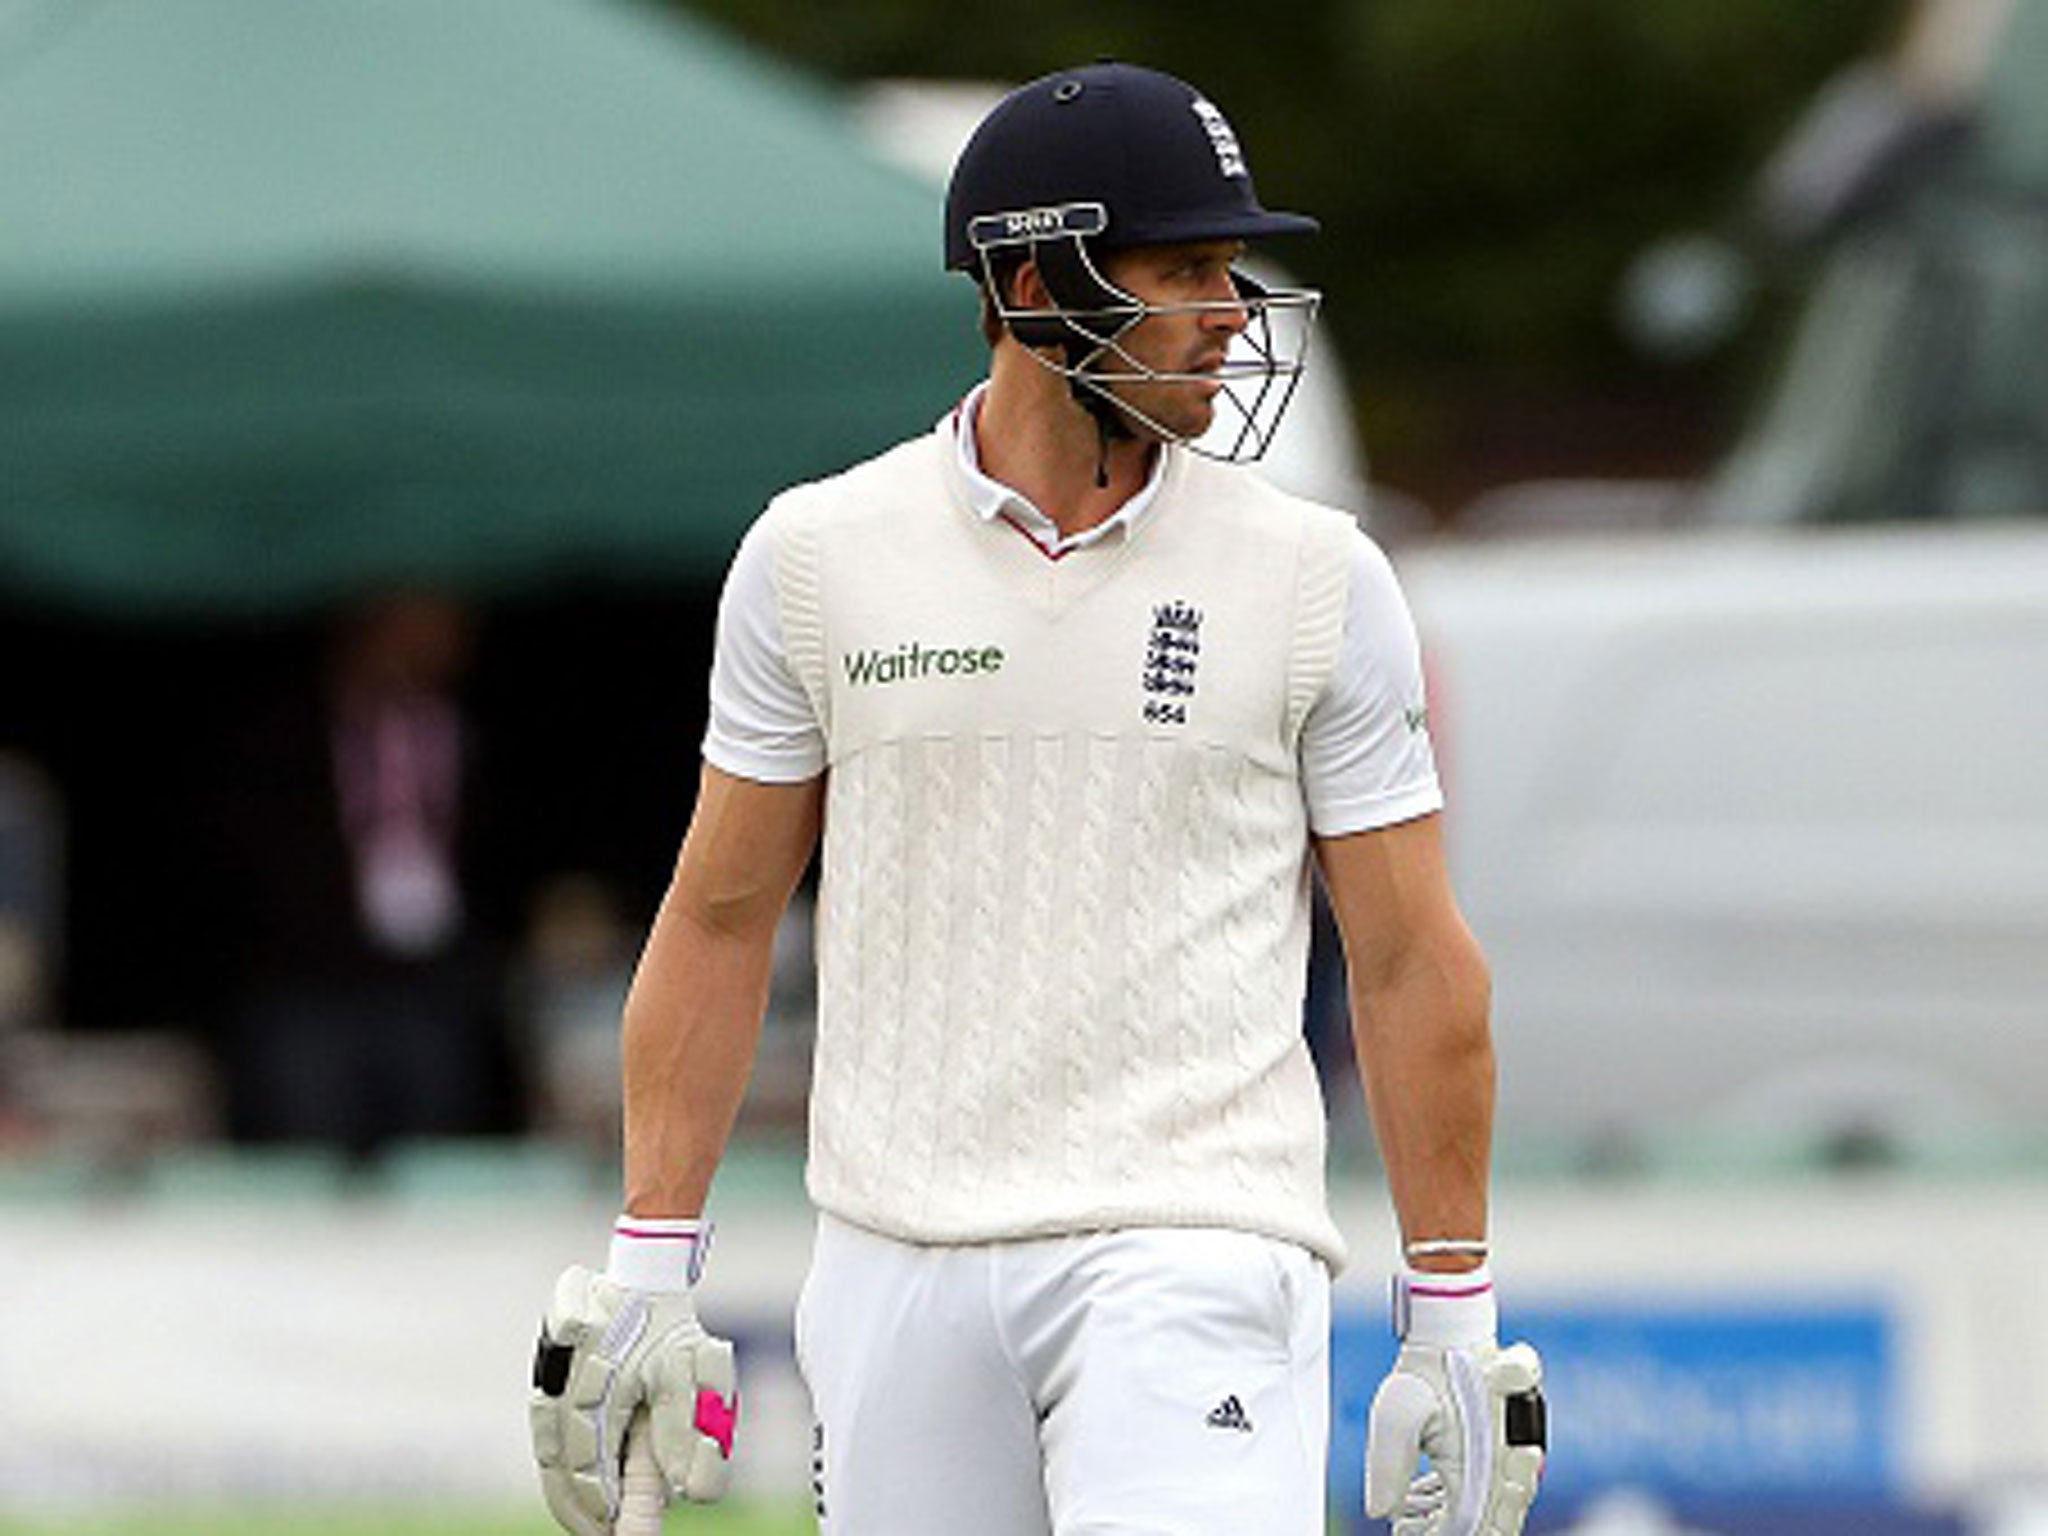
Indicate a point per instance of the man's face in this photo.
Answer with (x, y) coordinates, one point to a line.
(1194, 342)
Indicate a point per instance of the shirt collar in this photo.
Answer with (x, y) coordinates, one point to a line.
(990, 498)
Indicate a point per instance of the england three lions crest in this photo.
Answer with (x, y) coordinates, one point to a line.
(1172, 652)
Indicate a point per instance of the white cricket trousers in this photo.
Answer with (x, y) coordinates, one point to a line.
(1150, 1382)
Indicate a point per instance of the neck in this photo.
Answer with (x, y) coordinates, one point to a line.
(1035, 437)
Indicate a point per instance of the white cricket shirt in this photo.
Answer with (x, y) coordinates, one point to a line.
(1365, 754)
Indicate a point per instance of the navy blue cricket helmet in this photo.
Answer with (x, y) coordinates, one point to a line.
(1098, 159)
(1157, 156)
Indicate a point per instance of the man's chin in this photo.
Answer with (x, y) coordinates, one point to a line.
(1201, 416)
(1181, 418)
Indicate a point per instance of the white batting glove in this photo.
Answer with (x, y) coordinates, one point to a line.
(1454, 1395)
(615, 1345)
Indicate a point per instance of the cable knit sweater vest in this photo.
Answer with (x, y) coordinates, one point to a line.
(1064, 910)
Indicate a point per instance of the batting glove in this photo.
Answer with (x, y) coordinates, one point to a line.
(1454, 1395)
(628, 1343)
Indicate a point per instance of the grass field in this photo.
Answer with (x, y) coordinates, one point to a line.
(741, 1521)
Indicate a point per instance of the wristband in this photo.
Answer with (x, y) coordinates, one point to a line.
(1449, 1311)
(1460, 1247)
(656, 1253)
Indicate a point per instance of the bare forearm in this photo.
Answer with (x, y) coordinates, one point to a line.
(1426, 1056)
(693, 1016)
(693, 1020)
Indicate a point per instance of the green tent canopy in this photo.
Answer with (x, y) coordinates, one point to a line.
(299, 296)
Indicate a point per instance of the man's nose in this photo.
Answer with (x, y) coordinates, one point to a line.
(1231, 296)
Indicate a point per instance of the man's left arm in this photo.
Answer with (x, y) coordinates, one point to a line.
(1420, 1000)
(1420, 1004)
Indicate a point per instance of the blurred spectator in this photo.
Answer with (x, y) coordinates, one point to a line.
(30, 881)
(31, 874)
(369, 1007)
(573, 977)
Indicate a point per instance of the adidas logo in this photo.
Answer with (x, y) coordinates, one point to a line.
(1229, 1414)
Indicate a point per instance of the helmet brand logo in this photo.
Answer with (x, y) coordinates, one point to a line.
(1021, 225)
(1229, 156)
(1037, 221)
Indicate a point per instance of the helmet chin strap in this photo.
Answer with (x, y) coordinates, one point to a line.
(1111, 426)
(1074, 283)
(1104, 413)
(1103, 430)
(1097, 401)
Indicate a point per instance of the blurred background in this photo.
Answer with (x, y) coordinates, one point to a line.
(384, 385)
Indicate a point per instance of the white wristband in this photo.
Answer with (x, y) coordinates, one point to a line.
(1460, 1247)
(1449, 1311)
(652, 1253)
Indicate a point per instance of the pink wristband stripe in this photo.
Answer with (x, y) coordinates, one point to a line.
(1449, 1293)
(656, 1253)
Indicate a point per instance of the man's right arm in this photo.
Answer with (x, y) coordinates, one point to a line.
(693, 1015)
(624, 1348)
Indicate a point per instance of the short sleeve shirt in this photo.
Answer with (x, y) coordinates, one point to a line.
(1366, 758)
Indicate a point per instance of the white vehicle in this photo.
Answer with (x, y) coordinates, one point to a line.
(1751, 813)
(1754, 827)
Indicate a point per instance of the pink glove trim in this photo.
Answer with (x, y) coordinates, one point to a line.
(1449, 1292)
(718, 1418)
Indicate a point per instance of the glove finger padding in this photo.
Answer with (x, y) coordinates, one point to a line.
(604, 1353)
(1402, 1412)
(1423, 1503)
(1514, 1384)
(569, 1383)
(694, 1404)
(1477, 1414)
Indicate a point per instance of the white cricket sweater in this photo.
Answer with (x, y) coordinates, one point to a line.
(1064, 909)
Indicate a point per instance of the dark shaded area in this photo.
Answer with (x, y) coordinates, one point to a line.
(588, 705)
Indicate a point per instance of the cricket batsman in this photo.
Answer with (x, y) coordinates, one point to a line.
(1073, 705)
